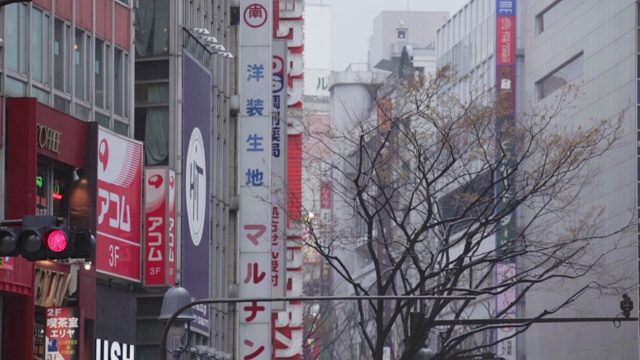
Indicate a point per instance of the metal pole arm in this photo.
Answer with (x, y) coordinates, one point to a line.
(172, 318)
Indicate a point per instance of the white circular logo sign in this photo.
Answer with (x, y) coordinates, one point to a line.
(196, 186)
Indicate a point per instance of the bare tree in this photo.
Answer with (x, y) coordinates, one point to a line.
(425, 191)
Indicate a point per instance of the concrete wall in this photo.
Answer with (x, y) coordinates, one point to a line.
(605, 32)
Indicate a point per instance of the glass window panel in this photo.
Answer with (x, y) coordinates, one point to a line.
(36, 45)
(42, 189)
(107, 76)
(83, 112)
(117, 81)
(46, 50)
(88, 55)
(99, 73)
(79, 61)
(561, 76)
(152, 28)
(126, 85)
(121, 128)
(102, 119)
(61, 104)
(43, 96)
(61, 74)
(152, 93)
(15, 87)
(554, 14)
(13, 45)
(60, 195)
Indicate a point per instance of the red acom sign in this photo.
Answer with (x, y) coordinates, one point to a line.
(119, 199)
(160, 220)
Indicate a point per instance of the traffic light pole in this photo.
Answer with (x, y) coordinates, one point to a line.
(525, 321)
(458, 322)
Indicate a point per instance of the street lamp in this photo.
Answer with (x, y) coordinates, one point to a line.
(174, 299)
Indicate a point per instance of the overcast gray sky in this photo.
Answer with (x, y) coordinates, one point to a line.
(352, 24)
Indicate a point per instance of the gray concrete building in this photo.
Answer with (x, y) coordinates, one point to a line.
(393, 30)
(591, 47)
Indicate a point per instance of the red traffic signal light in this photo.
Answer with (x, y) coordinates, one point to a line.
(46, 243)
(56, 240)
(41, 238)
(45, 238)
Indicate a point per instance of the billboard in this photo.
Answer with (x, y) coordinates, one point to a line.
(506, 105)
(160, 227)
(196, 175)
(62, 333)
(118, 229)
(254, 176)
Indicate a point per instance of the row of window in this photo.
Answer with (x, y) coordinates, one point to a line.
(66, 67)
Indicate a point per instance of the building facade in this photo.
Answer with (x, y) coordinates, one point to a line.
(68, 76)
(66, 68)
(526, 51)
(393, 30)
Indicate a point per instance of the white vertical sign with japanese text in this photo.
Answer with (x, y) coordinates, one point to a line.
(254, 176)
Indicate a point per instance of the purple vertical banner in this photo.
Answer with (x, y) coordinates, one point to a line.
(196, 172)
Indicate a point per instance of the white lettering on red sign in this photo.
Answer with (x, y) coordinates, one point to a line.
(155, 239)
(121, 216)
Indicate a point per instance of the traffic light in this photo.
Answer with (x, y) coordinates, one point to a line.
(46, 238)
(43, 238)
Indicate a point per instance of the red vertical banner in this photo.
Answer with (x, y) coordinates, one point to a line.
(172, 227)
(159, 254)
(506, 40)
(62, 333)
(294, 178)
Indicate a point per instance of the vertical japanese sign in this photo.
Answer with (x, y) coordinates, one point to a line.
(196, 145)
(288, 332)
(160, 246)
(254, 172)
(62, 333)
(505, 54)
(279, 173)
(119, 205)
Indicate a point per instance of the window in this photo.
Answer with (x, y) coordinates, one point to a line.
(467, 203)
(101, 73)
(554, 14)
(152, 110)
(53, 193)
(563, 75)
(40, 46)
(16, 38)
(402, 34)
(152, 28)
(61, 104)
(61, 63)
(81, 61)
(118, 82)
